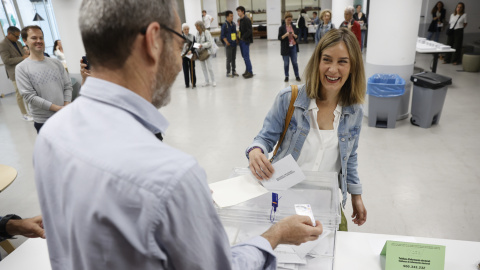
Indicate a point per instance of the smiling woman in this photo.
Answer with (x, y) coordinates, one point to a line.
(324, 130)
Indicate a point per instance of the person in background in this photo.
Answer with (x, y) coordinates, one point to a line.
(361, 18)
(325, 127)
(302, 24)
(26, 50)
(458, 22)
(187, 62)
(12, 55)
(438, 15)
(207, 20)
(58, 52)
(315, 19)
(229, 37)
(351, 24)
(113, 194)
(325, 25)
(204, 38)
(287, 34)
(42, 81)
(245, 34)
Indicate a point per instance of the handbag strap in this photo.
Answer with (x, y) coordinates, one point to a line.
(456, 22)
(291, 108)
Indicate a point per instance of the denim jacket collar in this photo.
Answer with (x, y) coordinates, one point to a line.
(303, 101)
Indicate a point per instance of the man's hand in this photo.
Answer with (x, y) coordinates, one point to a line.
(228, 43)
(25, 56)
(293, 230)
(30, 227)
(359, 212)
(55, 108)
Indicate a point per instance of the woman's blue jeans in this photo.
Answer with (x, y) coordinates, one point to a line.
(292, 55)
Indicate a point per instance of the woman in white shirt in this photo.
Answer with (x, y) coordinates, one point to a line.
(204, 38)
(458, 22)
(58, 52)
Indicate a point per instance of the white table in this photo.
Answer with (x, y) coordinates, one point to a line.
(435, 52)
(33, 254)
(360, 251)
(353, 251)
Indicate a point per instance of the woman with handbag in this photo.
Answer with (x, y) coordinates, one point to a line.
(438, 15)
(287, 34)
(204, 38)
(361, 18)
(322, 127)
(325, 25)
(458, 22)
(187, 55)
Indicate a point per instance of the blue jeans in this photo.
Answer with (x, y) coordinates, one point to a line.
(437, 34)
(293, 56)
(304, 34)
(245, 50)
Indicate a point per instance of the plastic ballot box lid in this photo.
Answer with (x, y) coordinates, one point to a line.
(253, 217)
(430, 80)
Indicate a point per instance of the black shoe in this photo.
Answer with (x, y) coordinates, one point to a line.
(186, 86)
(194, 86)
(234, 74)
(298, 79)
(248, 75)
(245, 73)
(286, 79)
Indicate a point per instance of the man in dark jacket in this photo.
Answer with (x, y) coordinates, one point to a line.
(229, 37)
(246, 37)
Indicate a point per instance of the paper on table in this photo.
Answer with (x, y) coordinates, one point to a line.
(289, 266)
(196, 45)
(236, 190)
(287, 174)
(285, 254)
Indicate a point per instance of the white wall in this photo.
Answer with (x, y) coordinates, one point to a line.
(67, 12)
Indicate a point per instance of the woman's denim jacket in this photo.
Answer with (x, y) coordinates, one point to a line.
(348, 134)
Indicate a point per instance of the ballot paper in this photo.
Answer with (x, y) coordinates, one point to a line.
(287, 174)
(304, 249)
(189, 56)
(236, 190)
(196, 45)
(286, 255)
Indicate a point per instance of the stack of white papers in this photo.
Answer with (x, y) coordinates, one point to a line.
(236, 190)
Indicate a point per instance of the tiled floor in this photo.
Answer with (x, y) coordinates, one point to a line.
(417, 182)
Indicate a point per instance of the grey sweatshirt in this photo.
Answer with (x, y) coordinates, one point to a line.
(42, 83)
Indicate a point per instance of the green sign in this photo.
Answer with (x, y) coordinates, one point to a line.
(403, 256)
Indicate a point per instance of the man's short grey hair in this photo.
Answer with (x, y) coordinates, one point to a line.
(350, 9)
(109, 27)
(185, 25)
(201, 25)
(13, 30)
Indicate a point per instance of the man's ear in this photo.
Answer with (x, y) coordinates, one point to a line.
(153, 43)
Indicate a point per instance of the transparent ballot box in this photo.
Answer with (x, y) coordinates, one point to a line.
(253, 217)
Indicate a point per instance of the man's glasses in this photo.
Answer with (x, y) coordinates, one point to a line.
(16, 35)
(144, 31)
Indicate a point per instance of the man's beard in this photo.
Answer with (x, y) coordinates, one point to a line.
(161, 87)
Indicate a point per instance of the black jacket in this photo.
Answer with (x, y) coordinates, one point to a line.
(284, 44)
(431, 27)
(246, 33)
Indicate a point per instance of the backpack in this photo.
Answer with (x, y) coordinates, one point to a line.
(301, 22)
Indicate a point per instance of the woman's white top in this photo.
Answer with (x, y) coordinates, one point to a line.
(60, 56)
(461, 23)
(321, 152)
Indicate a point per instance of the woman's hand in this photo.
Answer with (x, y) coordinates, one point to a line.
(359, 212)
(84, 71)
(200, 46)
(260, 166)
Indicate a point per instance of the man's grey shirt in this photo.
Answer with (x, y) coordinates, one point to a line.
(113, 196)
(42, 83)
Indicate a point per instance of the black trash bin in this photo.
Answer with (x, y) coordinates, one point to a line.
(429, 91)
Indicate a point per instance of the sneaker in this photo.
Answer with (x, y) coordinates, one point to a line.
(245, 73)
(234, 74)
(286, 79)
(205, 84)
(228, 75)
(214, 84)
(248, 75)
(27, 117)
(298, 79)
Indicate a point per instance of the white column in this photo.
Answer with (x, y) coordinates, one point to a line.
(325, 4)
(193, 13)
(211, 7)
(232, 5)
(338, 9)
(391, 46)
(274, 18)
(66, 13)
